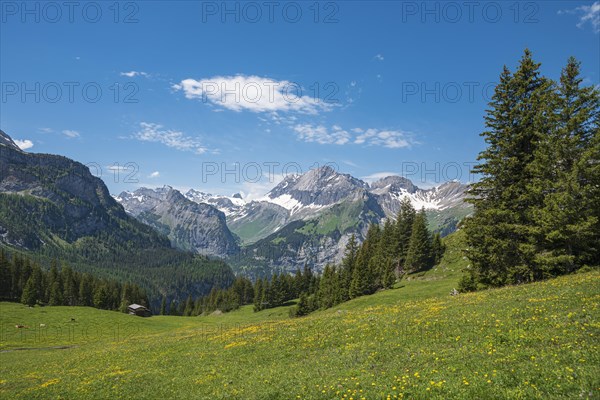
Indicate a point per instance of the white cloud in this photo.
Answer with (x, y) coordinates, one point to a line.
(252, 93)
(151, 132)
(389, 139)
(155, 174)
(379, 57)
(71, 134)
(321, 134)
(377, 176)
(587, 14)
(46, 130)
(392, 139)
(24, 144)
(591, 14)
(133, 74)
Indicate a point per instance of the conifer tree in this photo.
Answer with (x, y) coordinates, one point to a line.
(189, 307)
(363, 278)
(419, 255)
(52, 277)
(32, 292)
(101, 297)
(327, 290)
(71, 293)
(173, 307)
(566, 229)
(498, 234)
(303, 307)
(56, 292)
(163, 306)
(347, 268)
(403, 231)
(437, 248)
(258, 294)
(5, 277)
(86, 291)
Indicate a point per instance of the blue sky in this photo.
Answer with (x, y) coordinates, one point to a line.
(231, 98)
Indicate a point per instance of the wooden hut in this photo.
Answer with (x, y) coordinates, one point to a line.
(140, 311)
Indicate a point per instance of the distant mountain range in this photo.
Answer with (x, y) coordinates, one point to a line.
(305, 218)
(54, 205)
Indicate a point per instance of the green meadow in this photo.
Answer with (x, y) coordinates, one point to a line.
(416, 341)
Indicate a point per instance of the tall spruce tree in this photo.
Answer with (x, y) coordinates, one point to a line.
(437, 248)
(536, 205)
(189, 306)
(499, 233)
(385, 253)
(163, 306)
(33, 291)
(419, 256)
(5, 277)
(258, 295)
(303, 307)
(566, 231)
(403, 231)
(86, 290)
(327, 290)
(363, 278)
(347, 267)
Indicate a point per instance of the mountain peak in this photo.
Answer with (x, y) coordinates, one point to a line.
(393, 183)
(319, 187)
(7, 141)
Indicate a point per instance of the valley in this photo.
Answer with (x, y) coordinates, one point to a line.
(300, 200)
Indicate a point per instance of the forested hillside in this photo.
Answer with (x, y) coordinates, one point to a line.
(52, 207)
(22, 280)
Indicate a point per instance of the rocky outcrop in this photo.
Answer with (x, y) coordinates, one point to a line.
(197, 227)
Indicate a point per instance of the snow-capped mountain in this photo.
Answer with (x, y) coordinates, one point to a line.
(310, 215)
(228, 205)
(392, 189)
(324, 208)
(314, 190)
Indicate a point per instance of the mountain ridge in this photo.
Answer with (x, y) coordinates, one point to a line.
(310, 217)
(52, 207)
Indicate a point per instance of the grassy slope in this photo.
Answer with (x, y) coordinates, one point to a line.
(415, 341)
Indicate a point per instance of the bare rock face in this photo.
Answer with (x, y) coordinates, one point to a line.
(393, 184)
(197, 227)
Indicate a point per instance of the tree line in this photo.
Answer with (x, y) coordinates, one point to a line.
(263, 293)
(537, 204)
(387, 253)
(124, 250)
(22, 280)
